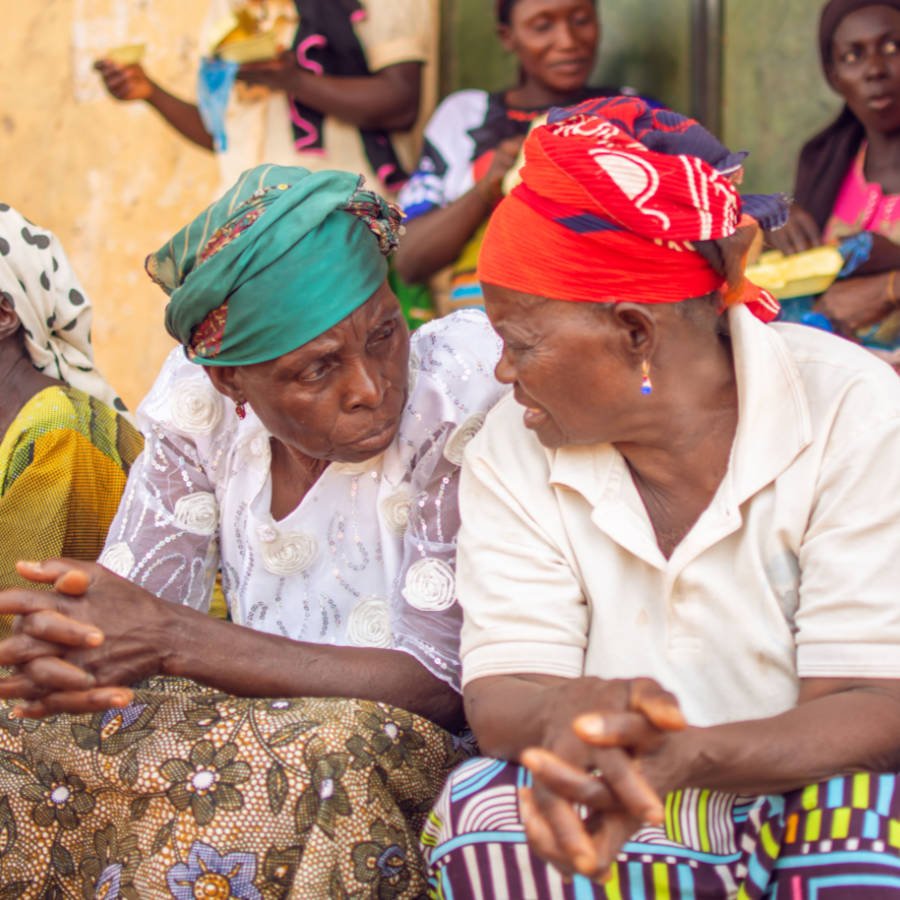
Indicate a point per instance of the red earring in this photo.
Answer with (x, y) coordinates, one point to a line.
(240, 410)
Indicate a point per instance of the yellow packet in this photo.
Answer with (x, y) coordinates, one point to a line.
(798, 275)
(256, 48)
(126, 54)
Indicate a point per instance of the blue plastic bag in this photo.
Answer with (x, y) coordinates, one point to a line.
(214, 83)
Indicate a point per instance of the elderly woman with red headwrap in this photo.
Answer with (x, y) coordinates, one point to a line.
(678, 565)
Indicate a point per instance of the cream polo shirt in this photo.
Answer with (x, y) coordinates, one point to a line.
(258, 122)
(793, 571)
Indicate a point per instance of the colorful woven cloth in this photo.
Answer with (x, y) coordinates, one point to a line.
(64, 461)
(278, 260)
(838, 839)
(613, 196)
(190, 793)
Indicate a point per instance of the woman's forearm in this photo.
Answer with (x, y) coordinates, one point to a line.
(851, 730)
(437, 238)
(508, 714)
(839, 726)
(245, 662)
(885, 257)
(386, 101)
(183, 116)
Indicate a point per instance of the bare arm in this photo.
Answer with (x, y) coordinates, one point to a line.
(838, 725)
(643, 752)
(437, 238)
(388, 100)
(128, 83)
(143, 635)
(885, 257)
(184, 117)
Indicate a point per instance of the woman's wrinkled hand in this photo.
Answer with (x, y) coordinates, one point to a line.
(854, 303)
(592, 788)
(77, 647)
(124, 82)
(799, 233)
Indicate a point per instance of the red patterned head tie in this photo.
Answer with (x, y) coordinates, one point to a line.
(614, 197)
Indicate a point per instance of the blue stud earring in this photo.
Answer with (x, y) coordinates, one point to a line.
(646, 383)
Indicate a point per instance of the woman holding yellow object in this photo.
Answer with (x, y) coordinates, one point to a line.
(352, 79)
(848, 181)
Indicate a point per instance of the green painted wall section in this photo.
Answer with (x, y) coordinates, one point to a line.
(774, 96)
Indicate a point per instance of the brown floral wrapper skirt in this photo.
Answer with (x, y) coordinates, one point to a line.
(189, 793)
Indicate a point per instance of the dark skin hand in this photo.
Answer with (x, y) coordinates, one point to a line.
(855, 303)
(633, 733)
(436, 239)
(65, 661)
(799, 233)
(850, 303)
(128, 83)
(387, 100)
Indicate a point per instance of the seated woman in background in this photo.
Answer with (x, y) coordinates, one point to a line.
(313, 455)
(65, 447)
(848, 176)
(474, 137)
(693, 502)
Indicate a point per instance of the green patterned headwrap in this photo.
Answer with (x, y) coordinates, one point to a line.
(278, 260)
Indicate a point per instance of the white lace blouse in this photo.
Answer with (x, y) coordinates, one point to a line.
(366, 559)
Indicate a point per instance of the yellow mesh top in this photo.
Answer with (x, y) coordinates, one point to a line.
(63, 465)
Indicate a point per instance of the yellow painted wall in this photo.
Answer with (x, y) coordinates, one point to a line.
(110, 179)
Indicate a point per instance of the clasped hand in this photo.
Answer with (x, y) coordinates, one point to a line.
(278, 74)
(599, 777)
(61, 658)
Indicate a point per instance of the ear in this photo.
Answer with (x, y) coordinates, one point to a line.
(226, 380)
(639, 330)
(504, 34)
(10, 322)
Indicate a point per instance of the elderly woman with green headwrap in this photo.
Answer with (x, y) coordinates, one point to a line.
(308, 449)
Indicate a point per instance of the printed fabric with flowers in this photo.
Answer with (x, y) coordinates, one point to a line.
(367, 557)
(190, 793)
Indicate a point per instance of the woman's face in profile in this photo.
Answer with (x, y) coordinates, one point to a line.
(340, 396)
(567, 365)
(865, 66)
